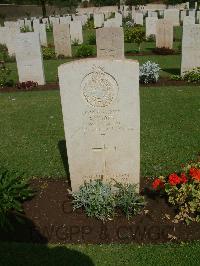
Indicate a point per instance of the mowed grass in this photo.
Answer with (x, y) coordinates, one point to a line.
(170, 64)
(99, 255)
(32, 130)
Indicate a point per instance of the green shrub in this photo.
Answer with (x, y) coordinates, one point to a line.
(13, 191)
(75, 42)
(176, 77)
(25, 29)
(89, 25)
(134, 35)
(4, 54)
(92, 39)
(128, 199)
(48, 53)
(49, 28)
(97, 199)
(5, 80)
(84, 51)
(151, 38)
(192, 76)
(100, 199)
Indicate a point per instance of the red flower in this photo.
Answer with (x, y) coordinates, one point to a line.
(195, 173)
(183, 178)
(174, 179)
(157, 183)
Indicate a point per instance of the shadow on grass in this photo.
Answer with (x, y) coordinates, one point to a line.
(18, 247)
(63, 152)
(172, 71)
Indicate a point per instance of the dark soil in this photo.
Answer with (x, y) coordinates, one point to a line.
(55, 86)
(49, 218)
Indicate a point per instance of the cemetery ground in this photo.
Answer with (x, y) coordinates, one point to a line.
(170, 64)
(169, 138)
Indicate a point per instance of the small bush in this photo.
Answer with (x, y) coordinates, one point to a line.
(97, 199)
(192, 76)
(5, 80)
(134, 35)
(128, 200)
(84, 51)
(27, 85)
(75, 42)
(100, 199)
(151, 38)
(13, 191)
(89, 25)
(149, 72)
(25, 29)
(163, 51)
(129, 24)
(4, 54)
(176, 77)
(48, 53)
(182, 191)
(49, 28)
(92, 39)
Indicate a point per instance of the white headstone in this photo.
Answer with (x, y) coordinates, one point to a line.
(110, 43)
(98, 20)
(62, 40)
(173, 16)
(65, 20)
(151, 26)
(28, 24)
(188, 20)
(164, 34)
(101, 112)
(3, 35)
(76, 32)
(29, 58)
(139, 19)
(10, 34)
(190, 47)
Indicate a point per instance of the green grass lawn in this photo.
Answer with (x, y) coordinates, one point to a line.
(99, 255)
(32, 127)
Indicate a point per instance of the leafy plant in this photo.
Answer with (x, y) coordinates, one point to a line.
(97, 198)
(101, 199)
(151, 38)
(4, 54)
(129, 24)
(13, 191)
(48, 53)
(192, 76)
(27, 85)
(5, 79)
(92, 39)
(134, 35)
(84, 51)
(25, 29)
(89, 25)
(75, 42)
(176, 77)
(149, 72)
(182, 191)
(128, 199)
(49, 28)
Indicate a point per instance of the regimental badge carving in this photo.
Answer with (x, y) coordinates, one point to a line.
(99, 88)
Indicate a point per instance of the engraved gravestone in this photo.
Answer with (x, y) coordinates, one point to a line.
(29, 58)
(76, 32)
(100, 105)
(62, 40)
(151, 26)
(190, 47)
(164, 34)
(110, 42)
